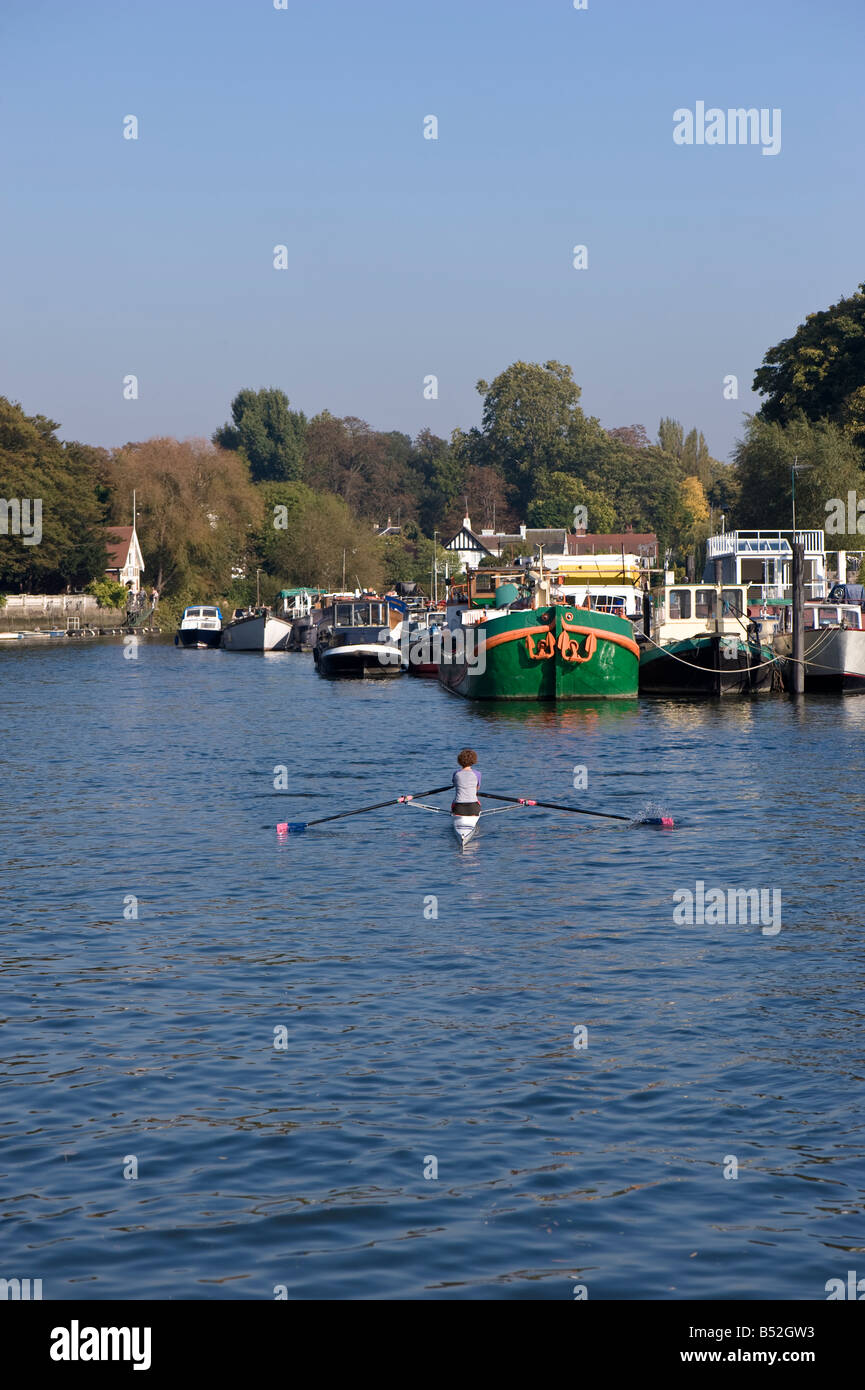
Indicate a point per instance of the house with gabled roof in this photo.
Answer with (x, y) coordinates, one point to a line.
(468, 547)
(125, 560)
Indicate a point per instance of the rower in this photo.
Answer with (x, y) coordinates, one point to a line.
(467, 781)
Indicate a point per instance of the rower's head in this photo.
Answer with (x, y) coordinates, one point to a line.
(467, 757)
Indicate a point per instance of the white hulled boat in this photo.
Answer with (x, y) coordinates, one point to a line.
(256, 631)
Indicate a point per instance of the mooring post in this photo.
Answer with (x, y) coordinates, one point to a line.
(797, 684)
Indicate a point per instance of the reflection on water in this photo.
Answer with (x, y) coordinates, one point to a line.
(282, 1034)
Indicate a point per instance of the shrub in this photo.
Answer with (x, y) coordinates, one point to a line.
(107, 592)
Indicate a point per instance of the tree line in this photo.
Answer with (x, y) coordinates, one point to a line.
(303, 500)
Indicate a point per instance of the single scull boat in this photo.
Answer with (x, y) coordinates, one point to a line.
(465, 827)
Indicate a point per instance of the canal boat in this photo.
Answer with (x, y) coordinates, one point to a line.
(361, 638)
(703, 643)
(424, 638)
(512, 641)
(200, 626)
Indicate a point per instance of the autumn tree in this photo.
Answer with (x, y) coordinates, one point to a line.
(196, 507)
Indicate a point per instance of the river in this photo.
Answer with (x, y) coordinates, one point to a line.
(360, 1064)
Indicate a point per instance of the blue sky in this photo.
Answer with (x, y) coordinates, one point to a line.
(407, 256)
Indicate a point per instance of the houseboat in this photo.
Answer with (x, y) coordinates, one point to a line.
(762, 563)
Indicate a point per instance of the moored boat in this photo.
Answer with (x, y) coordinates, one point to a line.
(200, 626)
(834, 648)
(527, 647)
(702, 643)
(360, 638)
(256, 631)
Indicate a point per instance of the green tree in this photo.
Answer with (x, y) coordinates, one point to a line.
(267, 433)
(108, 593)
(527, 424)
(561, 494)
(314, 537)
(442, 476)
(820, 370)
(60, 483)
(764, 460)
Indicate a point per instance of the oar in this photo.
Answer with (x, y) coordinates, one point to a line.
(295, 827)
(666, 821)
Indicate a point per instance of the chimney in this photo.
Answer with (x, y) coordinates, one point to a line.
(467, 523)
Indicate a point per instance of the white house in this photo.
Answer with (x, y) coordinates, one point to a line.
(467, 547)
(125, 561)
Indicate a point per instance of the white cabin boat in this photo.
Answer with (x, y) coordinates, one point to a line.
(200, 626)
(762, 561)
(834, 649)
(702, 642)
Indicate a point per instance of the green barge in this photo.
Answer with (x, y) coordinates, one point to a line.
(552, 651)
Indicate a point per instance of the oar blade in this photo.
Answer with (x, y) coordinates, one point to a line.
(290, 827)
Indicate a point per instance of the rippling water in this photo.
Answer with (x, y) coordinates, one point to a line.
(411, 1037)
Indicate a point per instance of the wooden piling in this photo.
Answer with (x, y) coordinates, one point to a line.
(797, 679)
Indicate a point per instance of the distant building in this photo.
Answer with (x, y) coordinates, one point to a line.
(558, 543)
(642, 543)
(468, 547)
(550, 537)
(125, 560)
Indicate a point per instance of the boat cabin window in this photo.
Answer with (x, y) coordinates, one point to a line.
(193, 613)
(734, 600)
(485, 584)
(358, 614)
(704, 603)
(609, 603)
(680, 604)
(356, 634)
